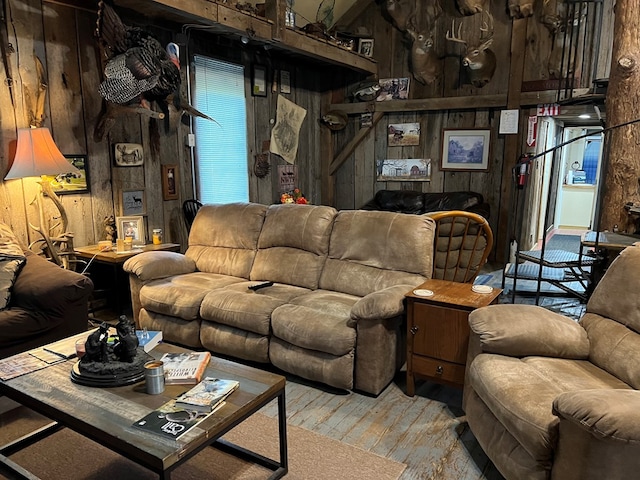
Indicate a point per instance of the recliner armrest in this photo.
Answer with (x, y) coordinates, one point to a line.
(152, 265)
(385, 303)
(524, 330)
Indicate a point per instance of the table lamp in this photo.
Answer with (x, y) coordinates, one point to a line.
(37, 155)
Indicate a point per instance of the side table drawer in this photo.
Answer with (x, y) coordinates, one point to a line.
(439, 369)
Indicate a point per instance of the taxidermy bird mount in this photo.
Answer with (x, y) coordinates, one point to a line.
(138, 73)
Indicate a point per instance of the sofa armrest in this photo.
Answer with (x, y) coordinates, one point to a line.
(599, 434)
(152, 265)
(523, 330)
(385, 303)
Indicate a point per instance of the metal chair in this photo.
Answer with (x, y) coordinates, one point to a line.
(462, 244)
(190, 209)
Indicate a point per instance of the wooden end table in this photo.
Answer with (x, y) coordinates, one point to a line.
(106, 269)
(438, 330)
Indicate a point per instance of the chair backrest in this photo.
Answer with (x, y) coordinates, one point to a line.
(190, 209)
(462, 244)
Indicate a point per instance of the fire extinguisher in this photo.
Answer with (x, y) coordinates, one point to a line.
(522, 170)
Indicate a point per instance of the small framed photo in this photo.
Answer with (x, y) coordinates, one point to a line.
(169, 182)
(259, 83)
(132, 227)
(133, 202)
(285, 81)
(465, 150)
(403, 134)
(365, 47)
(128, 154)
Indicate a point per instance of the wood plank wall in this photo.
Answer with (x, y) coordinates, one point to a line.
(355, 179)
(63, 38)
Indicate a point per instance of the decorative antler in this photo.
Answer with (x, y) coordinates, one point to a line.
(487, 26)
(455, 37)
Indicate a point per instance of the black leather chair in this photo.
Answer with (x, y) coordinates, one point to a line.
(190, 209)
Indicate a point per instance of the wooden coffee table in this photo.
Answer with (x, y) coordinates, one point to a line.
(105, 415)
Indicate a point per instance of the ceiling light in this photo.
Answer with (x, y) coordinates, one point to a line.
(244, 39)
(584, 115)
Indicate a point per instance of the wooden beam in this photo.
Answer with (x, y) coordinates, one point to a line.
(354, 12)
(449, 103)
(355, 141)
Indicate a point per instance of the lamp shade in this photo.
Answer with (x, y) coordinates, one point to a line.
(36, 155)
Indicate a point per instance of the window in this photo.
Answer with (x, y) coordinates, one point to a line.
(221, 170)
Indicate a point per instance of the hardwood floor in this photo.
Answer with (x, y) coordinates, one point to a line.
(427, 432)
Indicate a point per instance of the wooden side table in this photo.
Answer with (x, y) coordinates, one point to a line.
(438, 330)
(106, 269)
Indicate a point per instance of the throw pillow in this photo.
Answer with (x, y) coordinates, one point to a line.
(9, 268)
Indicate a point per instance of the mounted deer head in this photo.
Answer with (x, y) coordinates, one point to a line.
(479, 61)
(521, 8)
(550, 17)
(470, 7)
(425, 63)
(562, 59)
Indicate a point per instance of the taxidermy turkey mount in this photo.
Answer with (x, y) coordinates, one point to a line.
(138, 73)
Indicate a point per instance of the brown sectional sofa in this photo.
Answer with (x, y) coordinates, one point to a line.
(334, 314)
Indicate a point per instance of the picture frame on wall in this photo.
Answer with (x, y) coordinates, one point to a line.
(259, 81)
(128, 154)
(131, 226)
(365, 47)
(72, 182)
(403, 170)
(465, 149)
(170, 182)
(133, 202)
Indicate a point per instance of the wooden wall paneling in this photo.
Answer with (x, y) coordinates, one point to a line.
(12, 198)
(313, 189)
(431, 138)
(380, 145)
(98, 157)
(344, 176)
(606, 42)
(411, 151)
(327, 181)
(150, 181)
(392, 152)
(264, 111)
(65, 94)
(174, 229)
(539, 43)
(254, 144)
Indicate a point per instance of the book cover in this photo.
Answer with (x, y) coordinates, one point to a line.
(171, 421)
(207, 394)
(148, 339)
(184, 368)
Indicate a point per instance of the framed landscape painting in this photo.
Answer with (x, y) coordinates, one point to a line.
(465, 149)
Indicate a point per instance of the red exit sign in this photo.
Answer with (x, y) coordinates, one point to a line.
(548, 110)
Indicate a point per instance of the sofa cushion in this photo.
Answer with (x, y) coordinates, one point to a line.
(234, 342)
(239, 307)
(520, 394)
(181, 296)
(174, 330)
(224, 238)
(293, 244)
(614, 347)
(9, 268)
(623, 279)
(320, 320)
(372, 250)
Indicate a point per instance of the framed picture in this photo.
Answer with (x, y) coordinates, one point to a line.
(465, 150)
(169, 182)
(133, 227)
(133, 202)
(393, 89)
(128, 154)
(403, 134)
(72, 182)
(404, 170)
(365, 47)
(259, 84)
(285, 81)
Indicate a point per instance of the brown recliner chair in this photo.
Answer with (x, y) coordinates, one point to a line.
(551, 398)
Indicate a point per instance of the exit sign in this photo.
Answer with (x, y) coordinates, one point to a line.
(548, 110)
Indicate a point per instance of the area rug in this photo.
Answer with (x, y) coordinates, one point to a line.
(69, 455)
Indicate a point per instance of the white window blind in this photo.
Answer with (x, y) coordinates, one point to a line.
(222, 173)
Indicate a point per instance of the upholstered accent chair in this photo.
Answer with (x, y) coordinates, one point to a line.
(549, 397)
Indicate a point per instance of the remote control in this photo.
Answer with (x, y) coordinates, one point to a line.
(260, 285)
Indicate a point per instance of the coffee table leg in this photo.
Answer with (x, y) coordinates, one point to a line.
(282, 426)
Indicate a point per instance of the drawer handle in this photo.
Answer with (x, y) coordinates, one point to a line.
(439, 370)
(414, 330)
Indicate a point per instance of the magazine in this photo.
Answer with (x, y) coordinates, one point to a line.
(148, 339)
(184, 368)
(171, 421)
(206, 395)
